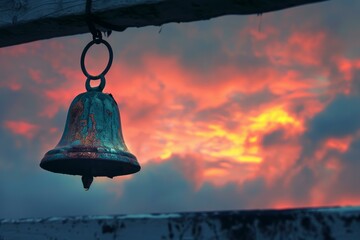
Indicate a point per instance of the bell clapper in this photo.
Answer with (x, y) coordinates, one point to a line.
(87, 180)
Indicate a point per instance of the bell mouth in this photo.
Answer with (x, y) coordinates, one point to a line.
(90, 163)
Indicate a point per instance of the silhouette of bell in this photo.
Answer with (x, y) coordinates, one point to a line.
(92, 144)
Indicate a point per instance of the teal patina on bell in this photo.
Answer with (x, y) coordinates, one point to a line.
(92, 144)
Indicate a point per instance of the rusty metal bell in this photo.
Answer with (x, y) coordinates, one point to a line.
(92, 144)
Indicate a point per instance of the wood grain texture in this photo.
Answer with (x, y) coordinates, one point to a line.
(24, 21)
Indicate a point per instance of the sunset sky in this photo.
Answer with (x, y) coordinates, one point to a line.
(238, 112)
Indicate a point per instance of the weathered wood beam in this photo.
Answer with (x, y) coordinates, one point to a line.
(24, 21)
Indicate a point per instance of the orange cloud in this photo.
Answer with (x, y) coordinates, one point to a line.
(347, 67)
(212, 115)
(302, 48)
(340, 144)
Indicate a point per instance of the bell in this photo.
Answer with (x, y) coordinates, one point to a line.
(92, 144)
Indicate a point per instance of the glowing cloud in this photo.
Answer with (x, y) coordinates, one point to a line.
(22, 128)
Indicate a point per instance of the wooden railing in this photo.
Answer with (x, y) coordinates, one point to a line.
(311, 223)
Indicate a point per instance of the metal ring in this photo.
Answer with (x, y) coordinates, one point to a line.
(82, 60)
(98, 88)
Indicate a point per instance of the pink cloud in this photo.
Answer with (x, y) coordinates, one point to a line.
(161, 99)
(22, 128)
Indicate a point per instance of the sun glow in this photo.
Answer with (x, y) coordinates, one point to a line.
(272, 117)
(240, 144)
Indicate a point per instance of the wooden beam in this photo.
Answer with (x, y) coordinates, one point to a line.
(24, 21)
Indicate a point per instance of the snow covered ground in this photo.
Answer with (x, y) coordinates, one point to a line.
(310, 223)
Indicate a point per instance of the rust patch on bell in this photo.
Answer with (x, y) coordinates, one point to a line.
(81, 154)
(75, 115)
(90, 139)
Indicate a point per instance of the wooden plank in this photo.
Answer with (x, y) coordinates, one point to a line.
(312, 223)
(24, 21)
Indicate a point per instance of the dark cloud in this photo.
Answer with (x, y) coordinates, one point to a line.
(170, 190)
(26, 190)
(347, 184)
(189, 42)
(36, 193)
(355, 84)
(164, 187)
(216, 114)
(273, 138)
(161, 187)
(302, 184)
(251, 101)
(340, 118)
(19, 152)
(21, 104)
(337, 120)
